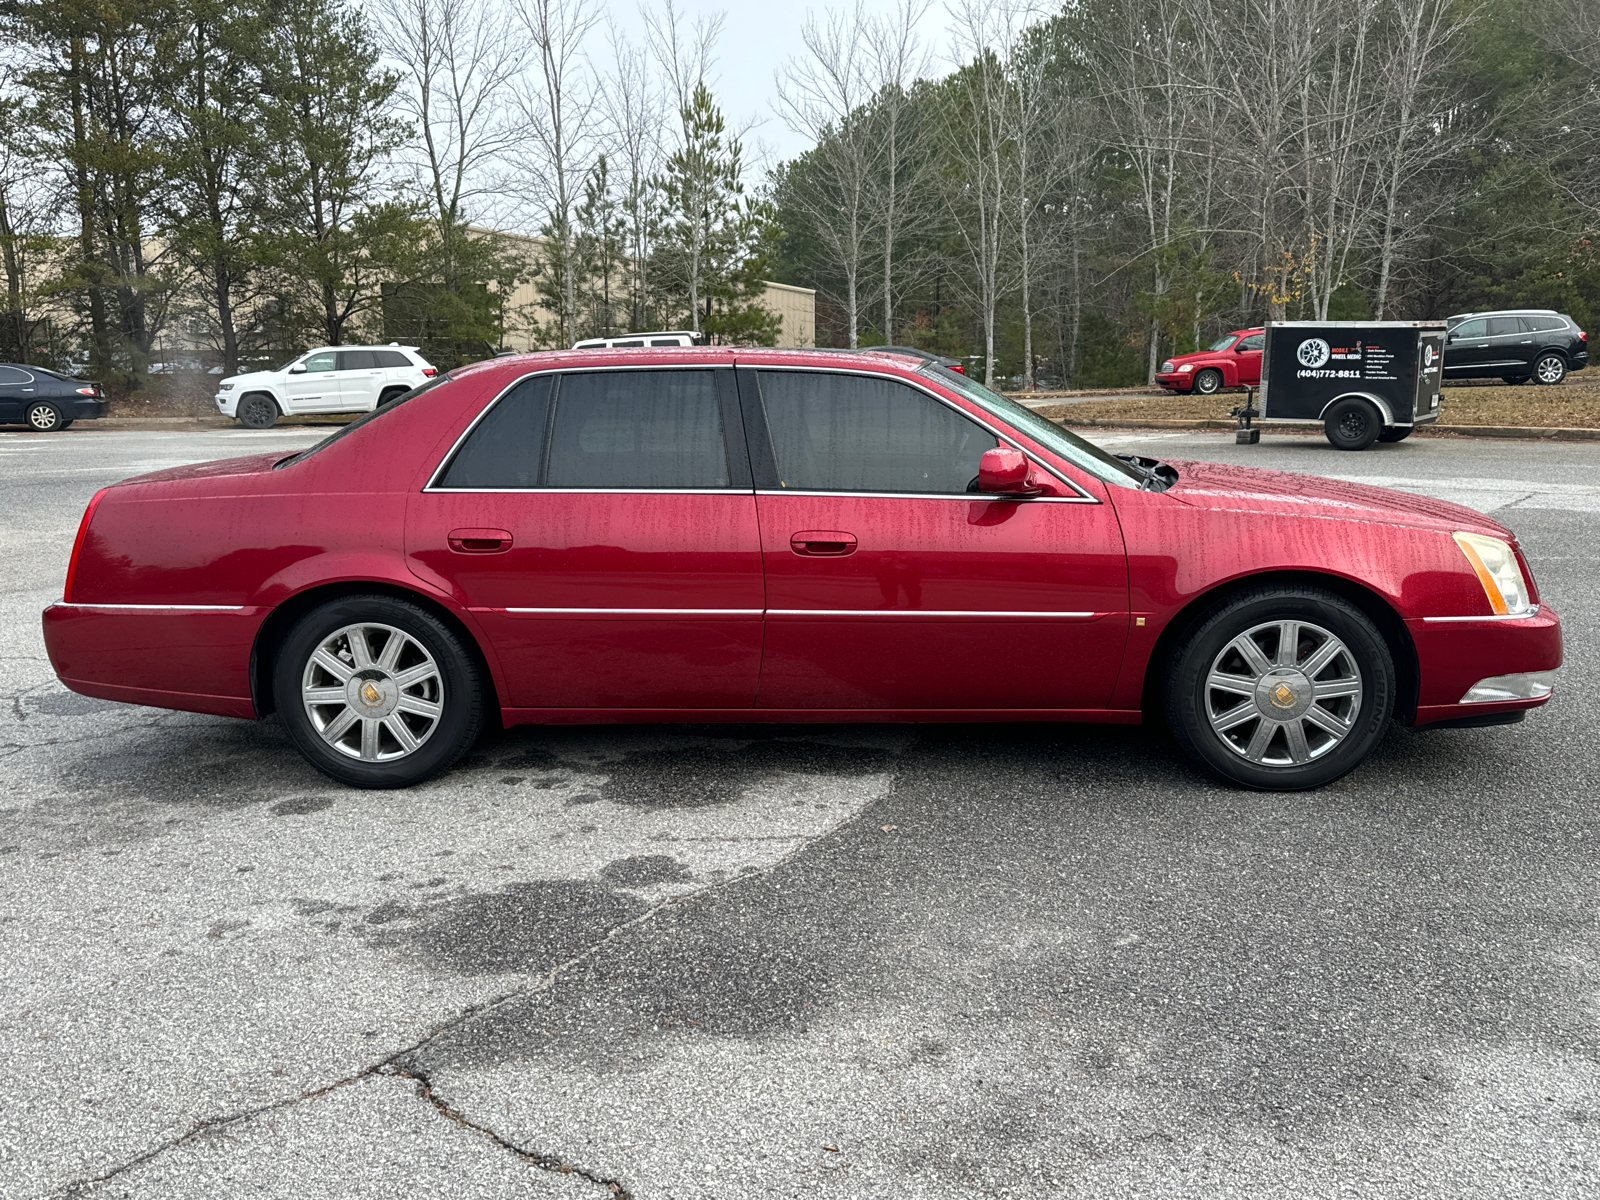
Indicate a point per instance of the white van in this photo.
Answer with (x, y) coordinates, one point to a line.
(667, 337)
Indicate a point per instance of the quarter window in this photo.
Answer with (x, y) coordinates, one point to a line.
(627, 429)
(503, 449)
(855, 433)
(390, 358)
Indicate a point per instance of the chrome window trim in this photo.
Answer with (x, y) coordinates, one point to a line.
(433, 479)
(989, 496)
(918, 385)
(1523, 616)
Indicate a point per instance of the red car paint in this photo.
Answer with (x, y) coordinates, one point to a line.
(747, 605)
(1238, 362)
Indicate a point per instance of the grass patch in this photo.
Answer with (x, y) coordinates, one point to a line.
(1574, 404)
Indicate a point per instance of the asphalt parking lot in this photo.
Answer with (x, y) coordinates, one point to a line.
(710, 963)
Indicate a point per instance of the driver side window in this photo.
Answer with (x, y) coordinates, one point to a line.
(321, 362)
(1470, 329)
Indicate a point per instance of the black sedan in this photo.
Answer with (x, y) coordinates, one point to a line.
(47, 400)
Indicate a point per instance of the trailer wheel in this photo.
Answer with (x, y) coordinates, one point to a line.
(1208, 382)
(1352, 424)
(1396, 434)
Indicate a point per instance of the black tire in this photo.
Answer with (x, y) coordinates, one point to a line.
(1517, 380)
(1208, 646)
(67, 424)
(44, 417)
(390, 395)
(257, 411)
(376, 696)
(1208, 382)
(1353, 424)
(1396, 433)
(1550, 369)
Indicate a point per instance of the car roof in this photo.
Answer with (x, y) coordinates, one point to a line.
(1507, 312)
(748, 356)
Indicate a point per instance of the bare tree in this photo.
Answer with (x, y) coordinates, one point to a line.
(459, 67)
(823, 95)
(897, 186)
(635, 111)
(558, 105)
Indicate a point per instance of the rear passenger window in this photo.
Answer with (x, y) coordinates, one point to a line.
(355, 360)
(503, 449)
(626, 429)
(854, 433)
(1503, 326)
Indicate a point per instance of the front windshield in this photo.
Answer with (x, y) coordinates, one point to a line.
(1222, 343)
(1043, 430)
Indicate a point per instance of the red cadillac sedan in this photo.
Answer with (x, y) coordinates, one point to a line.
(703, 534)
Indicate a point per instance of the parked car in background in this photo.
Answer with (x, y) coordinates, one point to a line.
(47, 401)
(639, 341)
(329, 379)
(1231, 361)
(719, 534)
(1516, 345)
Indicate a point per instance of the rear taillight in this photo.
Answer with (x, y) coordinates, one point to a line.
(88, 391)
(959, 369)
(77, 545)
(430, 372)
(1582, 336)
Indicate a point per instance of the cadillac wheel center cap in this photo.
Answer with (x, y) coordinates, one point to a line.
(372, 694)
(1284, 693)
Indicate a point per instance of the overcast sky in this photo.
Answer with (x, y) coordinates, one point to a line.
(758, 37)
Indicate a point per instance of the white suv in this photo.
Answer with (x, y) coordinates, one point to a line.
(330, 379)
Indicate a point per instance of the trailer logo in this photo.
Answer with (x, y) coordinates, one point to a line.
(1428, 355)
(1313, 353)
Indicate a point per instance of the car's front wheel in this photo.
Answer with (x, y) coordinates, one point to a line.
(378, 692)
(1208, 382)
(257, 411)
(43, 417)
(1280, 688)
(1551, 368)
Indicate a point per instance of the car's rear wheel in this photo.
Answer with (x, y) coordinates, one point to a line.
(257, 411)
(1551, 368)
(1352, 424)
(390, 395)
(44, 417)
(1208, 382)
(378, 692)
(1396, 433)
(1280, 689)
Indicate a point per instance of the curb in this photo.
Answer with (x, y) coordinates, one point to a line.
(1553, 433)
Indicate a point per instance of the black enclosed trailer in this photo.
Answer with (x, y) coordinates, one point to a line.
(1362, 381)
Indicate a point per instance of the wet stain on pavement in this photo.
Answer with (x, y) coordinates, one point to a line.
(68, 704)
(526, 928)
(645, 870)
(301, 806)
(692, 776)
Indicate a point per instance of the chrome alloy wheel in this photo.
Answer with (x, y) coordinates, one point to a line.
(1551, 369)
(1283, 693)
(372, 692)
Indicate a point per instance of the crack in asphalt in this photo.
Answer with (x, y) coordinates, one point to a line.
(391, 1064)
(545, 1162)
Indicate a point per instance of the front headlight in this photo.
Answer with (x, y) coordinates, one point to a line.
(1498, 571)
(1185, 367)
(225, 387)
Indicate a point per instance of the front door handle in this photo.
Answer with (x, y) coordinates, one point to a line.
(823, 543)
(479, 541)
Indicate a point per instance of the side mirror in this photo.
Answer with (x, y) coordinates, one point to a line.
(1449, 337)
(1005, 471)
(298, 369)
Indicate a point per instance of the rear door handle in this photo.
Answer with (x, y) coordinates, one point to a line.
(823, 543)
(479, 541)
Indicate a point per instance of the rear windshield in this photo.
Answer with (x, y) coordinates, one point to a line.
(1042, 430)
(366, 419)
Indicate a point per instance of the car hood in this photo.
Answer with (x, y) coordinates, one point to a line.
(1197, 357)
(250, 377)
(1254, 489)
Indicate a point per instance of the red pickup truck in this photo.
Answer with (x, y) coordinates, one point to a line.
(1233, 360)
